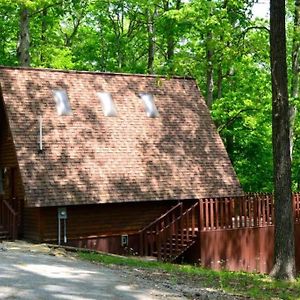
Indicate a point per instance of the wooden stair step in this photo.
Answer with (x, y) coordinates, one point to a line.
(184, 238)
(174, 254)
(180, 247)
(179, 250)
(4, 234)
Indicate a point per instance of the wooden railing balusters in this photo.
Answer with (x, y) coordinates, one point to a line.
(173, 232)
(193, 221)
(149, 241)
(8, 218)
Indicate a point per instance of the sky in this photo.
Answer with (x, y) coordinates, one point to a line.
(261, 9)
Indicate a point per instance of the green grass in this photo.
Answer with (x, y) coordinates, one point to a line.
(256, 286)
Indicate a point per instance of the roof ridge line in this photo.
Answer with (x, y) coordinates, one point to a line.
(96, 72)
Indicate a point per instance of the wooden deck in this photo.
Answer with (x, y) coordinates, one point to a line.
(234, 233)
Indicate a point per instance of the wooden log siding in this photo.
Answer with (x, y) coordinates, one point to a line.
(8, 156)
(92, 221)
(32, 225)
(13, 187)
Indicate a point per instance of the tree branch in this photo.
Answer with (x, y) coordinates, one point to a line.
(45, 7)
(232, 119)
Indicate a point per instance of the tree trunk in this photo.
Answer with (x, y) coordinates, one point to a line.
(102, 44)
(295, 52)
(43, 34)
(24, 39)
(170, 45)
(169, 31)
(170, 34)
(151, 42)
(292, 118)
(209, 72)
(295, 71)
(220, 81)
(284, 246)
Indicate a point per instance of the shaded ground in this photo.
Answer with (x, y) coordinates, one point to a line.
(34, 271)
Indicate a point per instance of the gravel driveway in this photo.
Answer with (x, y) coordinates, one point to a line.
(31, 273)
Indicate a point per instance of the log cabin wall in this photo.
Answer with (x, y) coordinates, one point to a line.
(13, 190)
(32, 224)
(8, 158)
(97, 227)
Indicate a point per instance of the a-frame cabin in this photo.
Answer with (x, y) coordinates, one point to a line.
(104, 155)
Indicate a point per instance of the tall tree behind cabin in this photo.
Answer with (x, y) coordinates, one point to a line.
(284, 248)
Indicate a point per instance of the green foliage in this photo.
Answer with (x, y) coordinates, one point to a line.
(252, 285)
(113, 35)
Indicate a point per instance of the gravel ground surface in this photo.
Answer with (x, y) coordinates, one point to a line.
(29, 271)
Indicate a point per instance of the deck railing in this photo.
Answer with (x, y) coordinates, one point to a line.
(236, 212)
(296, 205)
(251, 210)
(8, 218)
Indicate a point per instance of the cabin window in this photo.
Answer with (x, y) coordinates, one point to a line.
(108, 105)
(149, 105)
(62, 103)
(1, 181)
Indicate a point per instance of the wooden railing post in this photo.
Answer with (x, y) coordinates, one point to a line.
(158, 243)
(200, 216)
(141, 244)
(193, 221)
(181, 226)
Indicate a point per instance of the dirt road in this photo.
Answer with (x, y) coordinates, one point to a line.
(32, 273)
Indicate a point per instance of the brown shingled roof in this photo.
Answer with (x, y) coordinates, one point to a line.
(90, 158)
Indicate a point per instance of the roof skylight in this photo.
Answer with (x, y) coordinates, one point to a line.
(62, 103)
(108, 105)
(149, 105)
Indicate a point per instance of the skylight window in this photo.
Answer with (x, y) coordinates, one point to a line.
(62, 103)
(149, 105)
(108, 105)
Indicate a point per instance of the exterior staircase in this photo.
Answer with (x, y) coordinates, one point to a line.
(4, 234)
(8, 221)
(172, 234)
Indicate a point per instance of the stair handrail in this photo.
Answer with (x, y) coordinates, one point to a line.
(161, 217)
(9, 218)
(160, 233)
(156, 224)
(9, 207)
(179, 217)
